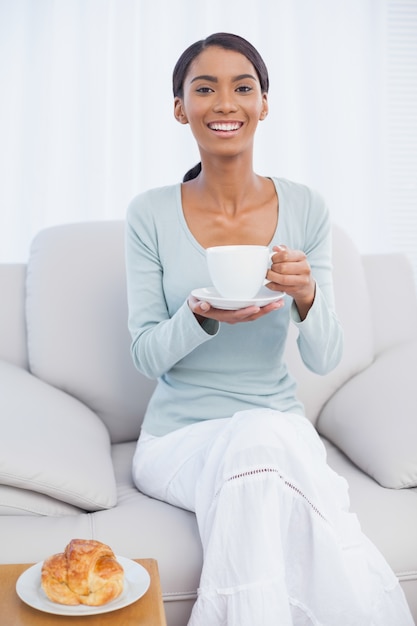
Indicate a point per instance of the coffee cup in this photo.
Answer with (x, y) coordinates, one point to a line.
(238, 272)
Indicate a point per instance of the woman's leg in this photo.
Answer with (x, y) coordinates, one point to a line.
(167, 468)
(279, 544)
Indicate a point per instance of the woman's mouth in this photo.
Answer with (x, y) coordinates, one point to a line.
(225, 127)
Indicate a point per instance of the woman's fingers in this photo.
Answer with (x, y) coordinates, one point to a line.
(289, 270)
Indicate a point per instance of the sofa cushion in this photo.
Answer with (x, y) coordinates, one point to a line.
(76, 306)
(16, 501)
(387, 516)
(52, 444)
(373, 418)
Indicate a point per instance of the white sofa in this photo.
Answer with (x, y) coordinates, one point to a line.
(71, 405)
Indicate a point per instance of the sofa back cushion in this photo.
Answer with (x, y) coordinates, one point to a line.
(393, 315)
(77, 322)
(353, 307)
(12, 313)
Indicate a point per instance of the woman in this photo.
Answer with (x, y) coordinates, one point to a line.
(224, 434)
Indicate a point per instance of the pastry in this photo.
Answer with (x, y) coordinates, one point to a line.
(87, 572)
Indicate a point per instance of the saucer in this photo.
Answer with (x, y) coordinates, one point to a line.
(211, 295)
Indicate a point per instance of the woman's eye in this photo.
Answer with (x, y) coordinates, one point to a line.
(204, 90)
(244, 88)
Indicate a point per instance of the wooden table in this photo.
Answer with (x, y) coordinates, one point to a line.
(147, 611)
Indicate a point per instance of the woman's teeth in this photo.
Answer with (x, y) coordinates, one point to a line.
(225, 126)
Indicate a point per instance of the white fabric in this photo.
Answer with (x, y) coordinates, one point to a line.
(279, 544)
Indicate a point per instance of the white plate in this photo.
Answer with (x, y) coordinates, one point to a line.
(263, 297)
(28, 588)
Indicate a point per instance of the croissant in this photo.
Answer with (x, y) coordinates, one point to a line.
(87, 572)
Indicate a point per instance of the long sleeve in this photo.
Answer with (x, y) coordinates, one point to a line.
(159, 340)
(320, 339)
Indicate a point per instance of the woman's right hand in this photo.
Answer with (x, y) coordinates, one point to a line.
(203, 310)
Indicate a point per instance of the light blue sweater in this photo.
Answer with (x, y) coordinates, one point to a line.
(214, 370)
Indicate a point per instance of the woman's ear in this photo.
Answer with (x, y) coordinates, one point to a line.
(179, 111)
(265, 107)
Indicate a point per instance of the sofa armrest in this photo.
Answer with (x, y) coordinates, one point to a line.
(12, 314)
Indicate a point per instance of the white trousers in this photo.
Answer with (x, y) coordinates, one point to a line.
(280, 546)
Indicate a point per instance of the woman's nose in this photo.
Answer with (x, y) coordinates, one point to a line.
(225, 102)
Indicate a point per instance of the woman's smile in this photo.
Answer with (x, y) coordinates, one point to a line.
(225, 129)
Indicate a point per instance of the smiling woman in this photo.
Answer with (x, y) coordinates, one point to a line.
(224, 434)
(245, 83)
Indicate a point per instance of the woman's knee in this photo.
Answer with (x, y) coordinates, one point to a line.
(268, 437)
(269, 427)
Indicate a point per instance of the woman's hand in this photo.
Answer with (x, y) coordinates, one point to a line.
(203, 310)
(291, 272)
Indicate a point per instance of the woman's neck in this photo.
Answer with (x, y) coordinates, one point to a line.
(228, 183)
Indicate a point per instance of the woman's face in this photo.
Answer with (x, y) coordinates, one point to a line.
(222, 102)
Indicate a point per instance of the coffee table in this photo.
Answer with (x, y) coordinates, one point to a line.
(147, 611)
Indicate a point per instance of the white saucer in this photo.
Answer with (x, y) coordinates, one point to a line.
(28, 588)
(211, 295)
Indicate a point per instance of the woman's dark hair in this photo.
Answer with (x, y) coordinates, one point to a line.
(228, 41)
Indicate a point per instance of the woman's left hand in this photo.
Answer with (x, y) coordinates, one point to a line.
(290, 272)
(203, 310)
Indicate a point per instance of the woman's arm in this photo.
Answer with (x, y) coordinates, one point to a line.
(307, 277)
(159, 340)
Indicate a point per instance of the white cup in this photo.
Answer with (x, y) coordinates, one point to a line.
(238, 272)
